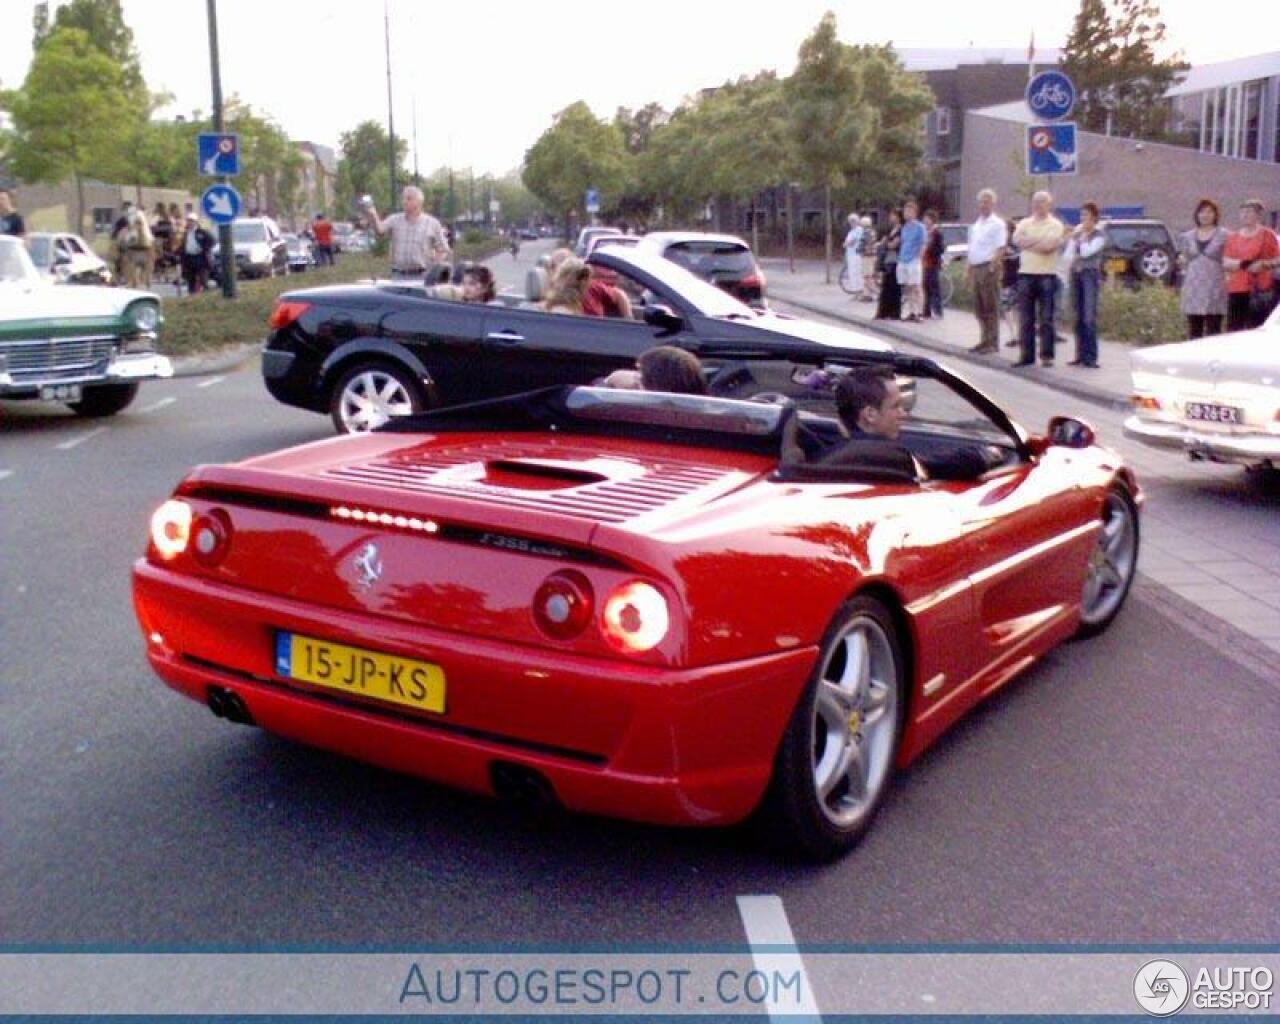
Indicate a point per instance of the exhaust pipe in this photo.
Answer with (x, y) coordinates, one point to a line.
(523, 786)
(230, 705)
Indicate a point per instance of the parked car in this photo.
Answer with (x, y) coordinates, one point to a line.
(260, 248)
(724, 260)
(87, 347)
(956, 238)
(1216, 399)
(66, 258)
(367, 352)
(301, 254)
(358, 241)
(630, 604)
(1140, 249)
(583, 245)
(623, 240)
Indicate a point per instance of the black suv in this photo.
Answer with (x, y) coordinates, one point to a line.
(1140, 249)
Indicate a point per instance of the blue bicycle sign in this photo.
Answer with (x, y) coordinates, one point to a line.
(1051, 96)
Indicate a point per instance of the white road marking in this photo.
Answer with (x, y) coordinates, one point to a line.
(75, 442)
(764, 919)
(158, 405)
(210, 382)
(5, 472)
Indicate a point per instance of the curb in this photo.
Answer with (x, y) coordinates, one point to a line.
(1092, 395)
(218, 361)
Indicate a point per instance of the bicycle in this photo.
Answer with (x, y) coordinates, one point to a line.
(868, 283)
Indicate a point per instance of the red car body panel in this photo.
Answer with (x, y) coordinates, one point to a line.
(985, 577)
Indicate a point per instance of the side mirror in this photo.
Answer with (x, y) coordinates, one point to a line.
(663, 317)
(1068, 432)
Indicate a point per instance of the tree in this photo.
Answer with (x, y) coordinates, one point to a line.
(103, 22)
(900, 100)
(830, 123)
(1111, 56)
(69, 114)
(578, 152)
(362, 165)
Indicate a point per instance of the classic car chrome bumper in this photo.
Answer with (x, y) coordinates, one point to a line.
(1197, 444)
(119, 369)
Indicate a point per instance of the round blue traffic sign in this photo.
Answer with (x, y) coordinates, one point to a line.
(1051, 96)
(221, 203)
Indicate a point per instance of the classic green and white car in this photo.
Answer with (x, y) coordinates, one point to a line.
(88, 347)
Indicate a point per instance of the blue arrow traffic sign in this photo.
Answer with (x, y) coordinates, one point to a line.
(221, 203)
(218, 153)
(1051, 96)
(1051, 148)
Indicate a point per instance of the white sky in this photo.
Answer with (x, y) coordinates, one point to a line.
(487, 76)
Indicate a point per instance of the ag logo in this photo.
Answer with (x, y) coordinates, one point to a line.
(1161, 988)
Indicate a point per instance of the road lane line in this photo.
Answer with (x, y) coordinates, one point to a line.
(210, 382)
(764, 919)
(75, 442)
(158, 405)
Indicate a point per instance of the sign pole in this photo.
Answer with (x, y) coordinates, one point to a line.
(226, 247)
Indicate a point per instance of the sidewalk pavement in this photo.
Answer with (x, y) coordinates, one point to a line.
(954, 335)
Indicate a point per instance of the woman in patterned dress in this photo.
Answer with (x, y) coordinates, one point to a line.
(1204, 284)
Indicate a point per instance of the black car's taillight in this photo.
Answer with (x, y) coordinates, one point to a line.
(286, 313)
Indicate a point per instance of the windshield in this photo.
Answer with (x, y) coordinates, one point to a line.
(41, 249)
(15, 264)
(689, 412)
(707, 258)
(247, 232)
(703, 297)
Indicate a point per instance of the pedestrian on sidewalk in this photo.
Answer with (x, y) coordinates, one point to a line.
(1084, 249)
(870, 286)
(1204, 282)
(1039, 238)
(889, 306)
(934, 248)
(911, 261)
(1250, 256)
(853, 256)
(988, 237)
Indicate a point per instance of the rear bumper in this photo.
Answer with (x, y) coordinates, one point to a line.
(1200, 444)
(687, 746)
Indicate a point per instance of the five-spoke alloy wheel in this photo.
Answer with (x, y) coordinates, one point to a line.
(836, 758)
(1112, 563)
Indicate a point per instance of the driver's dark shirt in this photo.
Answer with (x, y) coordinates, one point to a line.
(955, 461)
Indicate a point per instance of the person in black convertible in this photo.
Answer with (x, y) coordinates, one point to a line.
(870, 406)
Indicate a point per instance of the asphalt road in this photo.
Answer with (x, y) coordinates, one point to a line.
(1123, 790)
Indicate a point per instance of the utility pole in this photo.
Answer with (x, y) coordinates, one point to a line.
(391, 125)
(417, 178)
(226, 247)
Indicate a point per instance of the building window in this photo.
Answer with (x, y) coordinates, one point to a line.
(942, 120)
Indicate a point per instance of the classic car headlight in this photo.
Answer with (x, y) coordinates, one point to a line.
(145, 315)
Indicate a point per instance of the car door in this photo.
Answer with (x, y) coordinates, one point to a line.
(446, 337)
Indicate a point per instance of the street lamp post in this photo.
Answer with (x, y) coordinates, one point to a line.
(391, 125)
(226, 247)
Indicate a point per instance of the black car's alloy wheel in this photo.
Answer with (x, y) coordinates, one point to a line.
(369, 394)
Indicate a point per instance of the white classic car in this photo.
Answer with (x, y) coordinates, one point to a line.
(1214, 398)
(66, 259)
(87, 346)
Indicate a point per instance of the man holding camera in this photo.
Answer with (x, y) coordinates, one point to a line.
(418, 241)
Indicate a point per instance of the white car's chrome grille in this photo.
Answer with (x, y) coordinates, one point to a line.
(56, 353)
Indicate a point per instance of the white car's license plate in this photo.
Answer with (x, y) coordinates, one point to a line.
(1207, 412)
(60, 393)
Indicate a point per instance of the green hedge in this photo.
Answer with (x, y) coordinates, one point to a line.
(206, 322)
(1146, 315)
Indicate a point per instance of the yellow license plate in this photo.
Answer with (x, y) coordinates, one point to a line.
(353, 670)
(1117, 266)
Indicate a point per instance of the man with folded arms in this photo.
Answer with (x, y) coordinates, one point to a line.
(1039, 239)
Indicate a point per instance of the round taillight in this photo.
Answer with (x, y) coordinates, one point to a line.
(563, 604)
(211, 537)
(635, 617)
(171, 528)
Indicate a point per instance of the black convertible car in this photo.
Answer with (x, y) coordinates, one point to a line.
(367, 352)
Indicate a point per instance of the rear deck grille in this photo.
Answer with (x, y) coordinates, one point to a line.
(57, 353)
(607, 501)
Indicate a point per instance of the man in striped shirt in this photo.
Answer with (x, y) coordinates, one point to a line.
(417, 240)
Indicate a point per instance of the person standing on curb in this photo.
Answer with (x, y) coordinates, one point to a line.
(988, 237)
(11, 222)
(1085, 250)
(417, 240)
(911, 261)
(1039, 239)
(1204, 282)
(853, 256)
(1250, 257)
(934, 249)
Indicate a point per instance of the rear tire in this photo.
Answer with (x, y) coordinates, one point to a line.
(369, 394)
(836, 759)
(1112, 564)
(104, 399)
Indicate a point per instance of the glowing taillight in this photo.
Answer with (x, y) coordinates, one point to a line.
(1145, 402)
(171, 528)
(563, 604)
(211, 537)
(286, 313)
(634, 618)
